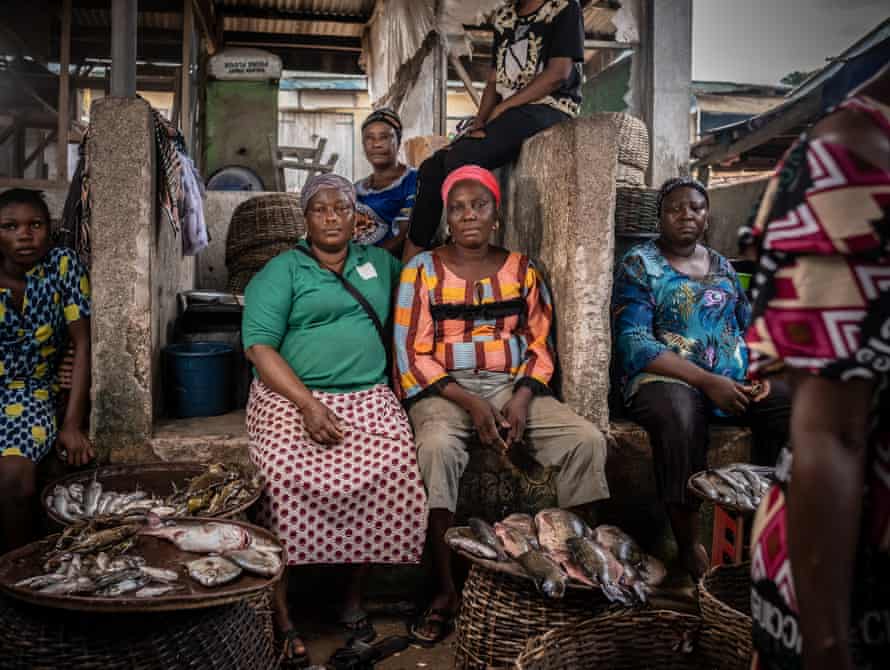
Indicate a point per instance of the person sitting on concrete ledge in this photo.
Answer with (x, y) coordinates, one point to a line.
(386, 196)
(535, 83)
(44, 305)
(679, 316)
(330, 438)
(472, 333)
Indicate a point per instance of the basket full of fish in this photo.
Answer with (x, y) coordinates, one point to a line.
(556, 549)
(738, 487)
(147, 565)
(163, 489)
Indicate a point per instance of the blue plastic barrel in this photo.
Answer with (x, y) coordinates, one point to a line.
(198, 378)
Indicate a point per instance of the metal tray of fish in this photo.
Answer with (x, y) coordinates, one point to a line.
(158, 479)
(738, 487)
(27, 561)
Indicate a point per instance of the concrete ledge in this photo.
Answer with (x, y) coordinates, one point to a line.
(204, 439)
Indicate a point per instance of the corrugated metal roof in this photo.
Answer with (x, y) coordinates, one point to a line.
(286, 27)
(344, 7)
(101, 18)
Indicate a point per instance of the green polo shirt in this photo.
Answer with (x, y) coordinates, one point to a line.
(302, 310)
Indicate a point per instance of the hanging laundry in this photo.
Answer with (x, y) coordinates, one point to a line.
(195, 237)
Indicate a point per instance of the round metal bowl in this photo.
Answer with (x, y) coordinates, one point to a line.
(27, 561)
(155, 478)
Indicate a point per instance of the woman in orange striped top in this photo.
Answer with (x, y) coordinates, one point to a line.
(472, 334)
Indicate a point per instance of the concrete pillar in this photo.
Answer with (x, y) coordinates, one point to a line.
(121, 157)
(662, 84)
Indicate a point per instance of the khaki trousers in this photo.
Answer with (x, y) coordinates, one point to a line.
(555, 436)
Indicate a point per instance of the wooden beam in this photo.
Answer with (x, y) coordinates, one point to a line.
(30, 91)
(8, 132)
(210, 23)
(273, 14)
(64, 96)
(465, 78)
(185, 86)
(15, 182)
(44, 143)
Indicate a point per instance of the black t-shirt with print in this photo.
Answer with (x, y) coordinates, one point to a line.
(523, 45)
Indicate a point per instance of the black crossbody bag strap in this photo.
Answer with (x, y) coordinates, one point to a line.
(361, 300)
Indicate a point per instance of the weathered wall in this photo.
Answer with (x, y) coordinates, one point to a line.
(560, 212)
(211, 270)
(122, 160)
(731, 207)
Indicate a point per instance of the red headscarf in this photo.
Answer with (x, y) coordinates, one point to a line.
(472, 173)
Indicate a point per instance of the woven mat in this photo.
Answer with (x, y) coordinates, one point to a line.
(636, 210)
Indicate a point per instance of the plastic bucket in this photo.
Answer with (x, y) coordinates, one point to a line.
(198, 378)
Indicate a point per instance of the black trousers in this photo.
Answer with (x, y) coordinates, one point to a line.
(502, 142)
(677, 417)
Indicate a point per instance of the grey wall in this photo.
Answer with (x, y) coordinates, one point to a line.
(731, 207)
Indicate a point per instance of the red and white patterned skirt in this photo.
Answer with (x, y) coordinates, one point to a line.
(361, 501)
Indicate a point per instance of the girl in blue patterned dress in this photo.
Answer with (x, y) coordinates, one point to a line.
(680, 314)
(44, 305)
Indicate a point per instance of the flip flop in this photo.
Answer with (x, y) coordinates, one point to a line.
(296, 661)
(358, 626)
(442, 624)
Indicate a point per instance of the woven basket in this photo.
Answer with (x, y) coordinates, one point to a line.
(633, 142)
(500, 613)
(725, 599)
(628, 175)
(618, 640)
(239, 279)
(275, 217)
(229, 637)
(636, 210)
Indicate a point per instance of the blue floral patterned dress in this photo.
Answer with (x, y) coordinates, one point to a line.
(32, 342)
(655, 309)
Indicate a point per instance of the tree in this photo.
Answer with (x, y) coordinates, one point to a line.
(795, 78)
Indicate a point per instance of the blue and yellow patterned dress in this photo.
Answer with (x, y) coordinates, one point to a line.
(32, 342)
(655, 309)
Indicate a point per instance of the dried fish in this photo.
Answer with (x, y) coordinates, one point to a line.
(213, 570)
(261, 563)
(123, 587)
(160, 574)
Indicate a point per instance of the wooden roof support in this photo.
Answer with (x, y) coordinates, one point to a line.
(465, 78)
(185, 87)
(210, 22)
(44, 143)
(64, 116)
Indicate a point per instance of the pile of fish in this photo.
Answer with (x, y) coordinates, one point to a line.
(557, 546)
(220, 488)
(96, 558)
(739, 485)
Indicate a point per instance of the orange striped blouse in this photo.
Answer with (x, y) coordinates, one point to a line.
(499, 323)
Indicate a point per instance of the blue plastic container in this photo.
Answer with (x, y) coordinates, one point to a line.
(198, 378)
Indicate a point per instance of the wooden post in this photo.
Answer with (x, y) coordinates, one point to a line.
(465, 78)
(440, 87)
(185, 86)
(64, 111)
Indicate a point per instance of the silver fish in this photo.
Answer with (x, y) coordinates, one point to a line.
(463, 539)
(61, 503)
(116, 576)
(156, 591)
(124, 587)
(129, 498)
(70, 587)
(163, 511)
(105, 501)
(206, 538)
(485, 534)
(91, 497)
(622, 545)
(546, 574)
(76, 492)
(263, 563)
(40, 581)
(213, 570)
(61, 491)
(160, 574)
(601, 566)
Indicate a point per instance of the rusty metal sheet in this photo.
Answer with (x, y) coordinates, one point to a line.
(159, 553)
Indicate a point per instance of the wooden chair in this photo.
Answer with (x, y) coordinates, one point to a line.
(299, 158)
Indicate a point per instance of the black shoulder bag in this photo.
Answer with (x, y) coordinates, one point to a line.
(361, 300)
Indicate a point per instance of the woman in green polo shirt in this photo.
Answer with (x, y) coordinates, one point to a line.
(329, 436)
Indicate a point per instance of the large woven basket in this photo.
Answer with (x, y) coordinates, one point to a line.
(725, 599)
(261, 228)
(633, 142)
(618, 640)
(636, 210)
(228, 637)
(629, 175)
(500, 613)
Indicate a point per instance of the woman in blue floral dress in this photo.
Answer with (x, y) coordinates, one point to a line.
(680, 314)
(44, 305)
